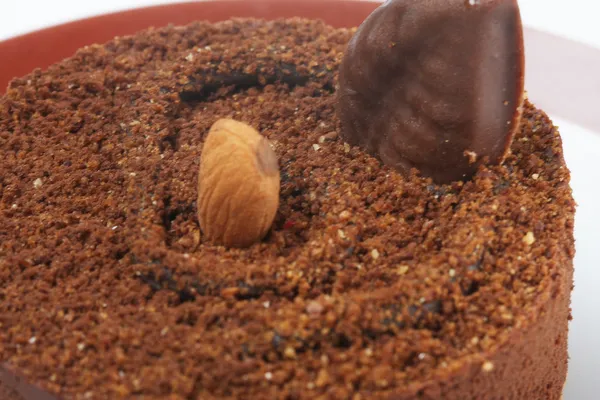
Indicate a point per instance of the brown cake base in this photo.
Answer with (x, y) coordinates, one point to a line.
(6, 393)
(14, 387)
(370, 285)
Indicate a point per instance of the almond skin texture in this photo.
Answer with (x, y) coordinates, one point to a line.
(238, 185)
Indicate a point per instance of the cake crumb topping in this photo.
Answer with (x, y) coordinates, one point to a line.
(529, 238)
(487, 366)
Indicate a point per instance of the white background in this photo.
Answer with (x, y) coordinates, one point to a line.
(573, 19)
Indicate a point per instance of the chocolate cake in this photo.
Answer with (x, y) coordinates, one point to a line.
(370, 284)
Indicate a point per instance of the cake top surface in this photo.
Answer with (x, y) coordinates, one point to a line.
(368, 281)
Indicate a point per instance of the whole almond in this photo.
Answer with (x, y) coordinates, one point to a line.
(238, 185)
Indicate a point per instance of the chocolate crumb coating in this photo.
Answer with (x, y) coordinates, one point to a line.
(435, 85)
(371, 284)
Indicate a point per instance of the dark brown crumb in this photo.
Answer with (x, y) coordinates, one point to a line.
(367, 282)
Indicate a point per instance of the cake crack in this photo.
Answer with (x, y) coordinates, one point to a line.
(203, 86)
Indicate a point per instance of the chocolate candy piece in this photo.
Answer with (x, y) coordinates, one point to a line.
(436, 85)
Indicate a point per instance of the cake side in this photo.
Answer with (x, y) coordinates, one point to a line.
(370, 284)
(7, 393)
(15, 387)
(532, 362)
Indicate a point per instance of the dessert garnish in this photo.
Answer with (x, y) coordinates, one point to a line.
(238, 185)
(435, 85)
